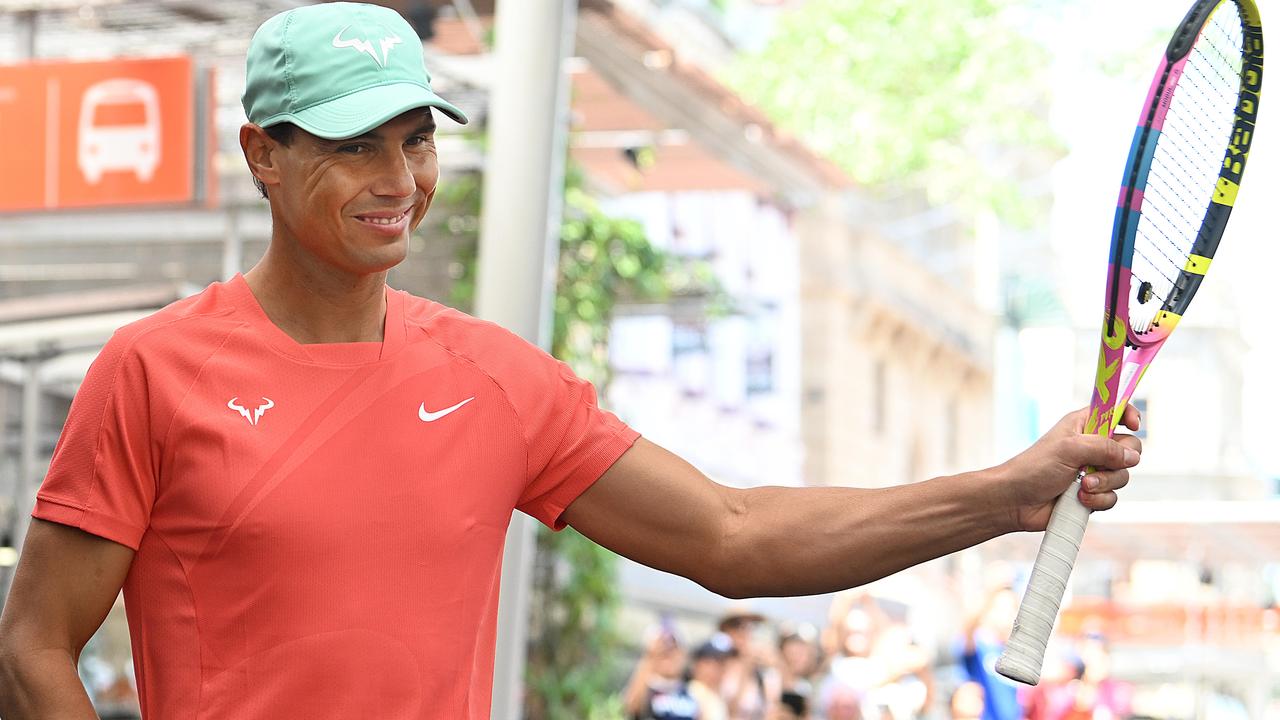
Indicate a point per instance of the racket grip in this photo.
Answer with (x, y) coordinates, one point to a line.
(1023, 656)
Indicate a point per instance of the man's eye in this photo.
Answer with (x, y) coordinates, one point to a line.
(419, 140)
(351, 149)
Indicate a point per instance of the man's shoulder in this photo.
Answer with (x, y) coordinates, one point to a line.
(462, 334)
(187, 324)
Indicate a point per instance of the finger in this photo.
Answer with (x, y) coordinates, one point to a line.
(1129, 441)
(1101, 452)
(1131, 418)
(1098, 501)
(1074, 420)
(1102, 481)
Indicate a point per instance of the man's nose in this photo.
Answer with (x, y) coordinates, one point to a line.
(395, 176)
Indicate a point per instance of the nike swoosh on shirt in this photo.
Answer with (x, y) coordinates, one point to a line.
(427, 416)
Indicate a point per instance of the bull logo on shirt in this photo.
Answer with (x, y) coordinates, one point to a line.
(257, 413)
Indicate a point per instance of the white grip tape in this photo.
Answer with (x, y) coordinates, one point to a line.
(1023, 656)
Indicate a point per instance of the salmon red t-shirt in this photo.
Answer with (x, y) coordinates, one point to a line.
(319, 528)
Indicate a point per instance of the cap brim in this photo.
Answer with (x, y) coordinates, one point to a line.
(362, 111)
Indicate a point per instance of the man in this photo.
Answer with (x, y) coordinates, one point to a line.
(657, 689)
(302, 478)
(983, 638)
(743, 686)
(707, 674)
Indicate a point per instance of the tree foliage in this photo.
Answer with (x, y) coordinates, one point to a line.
(944, 95)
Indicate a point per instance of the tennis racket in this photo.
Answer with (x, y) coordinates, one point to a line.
(1180, 183)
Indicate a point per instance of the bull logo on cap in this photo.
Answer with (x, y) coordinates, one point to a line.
(365, 46)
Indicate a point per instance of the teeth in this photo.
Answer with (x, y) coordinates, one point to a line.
(385, 221)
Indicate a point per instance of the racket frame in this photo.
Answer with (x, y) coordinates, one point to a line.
(1118, 373)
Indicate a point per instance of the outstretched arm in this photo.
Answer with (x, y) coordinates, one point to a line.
(658, 510)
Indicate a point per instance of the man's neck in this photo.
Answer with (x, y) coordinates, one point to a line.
(319, 304)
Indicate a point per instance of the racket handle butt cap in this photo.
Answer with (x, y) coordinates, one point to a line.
(1019, 669)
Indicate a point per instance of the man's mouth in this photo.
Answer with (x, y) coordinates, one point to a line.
(383, 219)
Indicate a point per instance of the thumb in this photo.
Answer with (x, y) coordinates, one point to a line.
(1101, 452)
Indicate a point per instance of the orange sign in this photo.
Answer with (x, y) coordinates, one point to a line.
(80, 134)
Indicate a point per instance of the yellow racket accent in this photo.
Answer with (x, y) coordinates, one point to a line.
(1198, 264)
(1225, 193)
(1165, 322)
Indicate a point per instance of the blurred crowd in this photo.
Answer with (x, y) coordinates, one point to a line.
(866, 664)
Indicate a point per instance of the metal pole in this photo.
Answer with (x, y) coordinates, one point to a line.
(22, 493)
(9, 523)
(523, 185)
(232, 246)
(28, 21)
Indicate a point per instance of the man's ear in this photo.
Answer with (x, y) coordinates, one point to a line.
(259, 151)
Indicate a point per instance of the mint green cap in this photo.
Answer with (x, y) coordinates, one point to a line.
(337, 70)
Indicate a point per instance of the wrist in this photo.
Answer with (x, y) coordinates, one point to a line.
(995, 492)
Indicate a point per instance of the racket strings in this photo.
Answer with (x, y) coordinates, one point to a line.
(1185, 166)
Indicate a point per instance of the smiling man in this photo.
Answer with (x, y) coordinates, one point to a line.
(302, 478)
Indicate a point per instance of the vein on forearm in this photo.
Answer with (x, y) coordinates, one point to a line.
(787, 541)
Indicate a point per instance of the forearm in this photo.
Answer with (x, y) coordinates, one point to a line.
(800, 541)
(44, 685)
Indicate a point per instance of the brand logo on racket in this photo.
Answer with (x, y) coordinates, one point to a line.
(1106, 371)
(256, 414)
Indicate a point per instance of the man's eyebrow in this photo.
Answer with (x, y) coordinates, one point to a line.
(427, 126)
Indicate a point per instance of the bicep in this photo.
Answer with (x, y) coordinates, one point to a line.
(63, 588)
(653, 507)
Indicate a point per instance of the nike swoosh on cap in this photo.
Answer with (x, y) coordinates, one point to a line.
(427, 416)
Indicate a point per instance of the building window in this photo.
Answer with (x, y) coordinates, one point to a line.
(1141, 404)
(759, 370)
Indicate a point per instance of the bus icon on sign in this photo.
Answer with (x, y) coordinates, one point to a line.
(119, 130)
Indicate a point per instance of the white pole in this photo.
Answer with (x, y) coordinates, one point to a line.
(232, 245)
(519, 246)
(29, 445)
(28, 29)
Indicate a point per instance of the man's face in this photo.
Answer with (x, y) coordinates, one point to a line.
(709, 671)
(739, 630)
(351, 204)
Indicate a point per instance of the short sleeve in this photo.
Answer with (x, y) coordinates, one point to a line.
(102, 478)
(571, 441)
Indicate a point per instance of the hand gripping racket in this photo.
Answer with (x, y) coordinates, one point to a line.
(1180, 182)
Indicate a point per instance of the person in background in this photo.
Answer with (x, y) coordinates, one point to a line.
(1055, 693)
(1084, 689)
(907, 685)
(968, 702)
(876, 661)
(985, 634)
(797, 664)
(790, 706)
(706, 676)
(743, 688)
(1105, 696)
(838, 700)
(657, 690)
